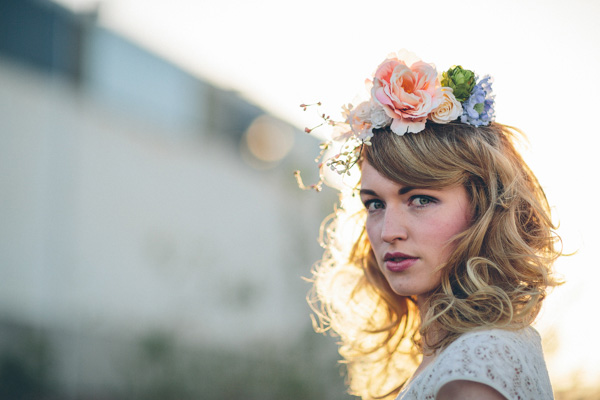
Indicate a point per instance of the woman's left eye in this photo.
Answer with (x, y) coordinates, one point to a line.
(421, 201)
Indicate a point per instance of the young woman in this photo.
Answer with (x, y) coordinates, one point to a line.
(450, 257)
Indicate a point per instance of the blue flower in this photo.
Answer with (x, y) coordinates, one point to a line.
(478, 110)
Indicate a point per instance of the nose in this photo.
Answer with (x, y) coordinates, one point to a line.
(394, 226)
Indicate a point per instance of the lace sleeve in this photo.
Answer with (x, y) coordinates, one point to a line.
(511, 362)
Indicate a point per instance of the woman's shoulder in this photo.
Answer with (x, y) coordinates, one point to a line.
(511, 362)
(510, 340)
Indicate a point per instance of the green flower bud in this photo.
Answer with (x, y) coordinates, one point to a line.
(461, 81)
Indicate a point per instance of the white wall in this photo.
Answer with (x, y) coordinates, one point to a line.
(110, 227)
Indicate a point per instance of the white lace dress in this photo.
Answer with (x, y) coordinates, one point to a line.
(512, 362)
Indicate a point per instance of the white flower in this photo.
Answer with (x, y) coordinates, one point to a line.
(362, 112)
(359, 120)
(449, 110)
(379, 117)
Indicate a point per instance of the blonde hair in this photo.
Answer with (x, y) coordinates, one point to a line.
(497, 277)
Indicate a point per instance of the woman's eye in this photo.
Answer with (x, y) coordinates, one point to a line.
(421, 201)
(373, 205)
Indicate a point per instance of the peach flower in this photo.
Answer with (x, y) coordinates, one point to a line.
(407, 95)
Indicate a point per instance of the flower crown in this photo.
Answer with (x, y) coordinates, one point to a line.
(404, 99)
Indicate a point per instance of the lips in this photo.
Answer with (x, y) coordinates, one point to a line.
(397, 262)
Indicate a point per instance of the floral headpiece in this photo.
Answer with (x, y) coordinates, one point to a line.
(404, 98)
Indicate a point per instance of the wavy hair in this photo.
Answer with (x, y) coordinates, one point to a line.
(497, 276)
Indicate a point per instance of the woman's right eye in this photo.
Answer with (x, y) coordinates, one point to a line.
(373, 205)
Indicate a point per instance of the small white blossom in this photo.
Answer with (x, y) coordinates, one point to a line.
(379, 117)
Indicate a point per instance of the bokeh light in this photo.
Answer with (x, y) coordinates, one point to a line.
(268, 139)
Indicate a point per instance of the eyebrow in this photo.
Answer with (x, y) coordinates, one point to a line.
(368, 192)
(407, 189)
(402, 191)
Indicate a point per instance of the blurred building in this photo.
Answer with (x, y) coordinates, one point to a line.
(143, 208)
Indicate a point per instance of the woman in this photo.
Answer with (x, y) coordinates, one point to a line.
(452, 257)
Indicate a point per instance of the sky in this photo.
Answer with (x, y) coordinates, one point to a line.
(543, 56)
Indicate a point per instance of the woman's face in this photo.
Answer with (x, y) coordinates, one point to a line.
(410, 230)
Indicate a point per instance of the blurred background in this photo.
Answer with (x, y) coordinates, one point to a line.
(153, 239)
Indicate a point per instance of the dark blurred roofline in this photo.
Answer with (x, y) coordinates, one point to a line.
(43, 34)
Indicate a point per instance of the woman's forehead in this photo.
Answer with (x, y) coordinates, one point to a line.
(371, 176)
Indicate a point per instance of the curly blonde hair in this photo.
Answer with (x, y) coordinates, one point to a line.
(497, 277)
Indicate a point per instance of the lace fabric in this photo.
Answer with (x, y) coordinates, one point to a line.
(512, 362)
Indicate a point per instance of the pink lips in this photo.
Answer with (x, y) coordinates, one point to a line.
(397, 262)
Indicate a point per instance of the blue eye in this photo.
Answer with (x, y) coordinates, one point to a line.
(422, 201)
(373, 205)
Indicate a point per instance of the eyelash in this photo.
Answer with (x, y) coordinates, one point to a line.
(430, 200)
(370, 202)
(411, 201)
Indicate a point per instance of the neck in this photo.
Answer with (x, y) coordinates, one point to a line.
(434, 333)
(422, 302)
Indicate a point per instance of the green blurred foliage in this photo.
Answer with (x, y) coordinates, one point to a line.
(158, 367)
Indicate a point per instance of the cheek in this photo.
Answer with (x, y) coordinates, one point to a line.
(444, 234)
(374, 237)
(371, 229)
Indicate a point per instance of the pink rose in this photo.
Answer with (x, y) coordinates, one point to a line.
(407, 95)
